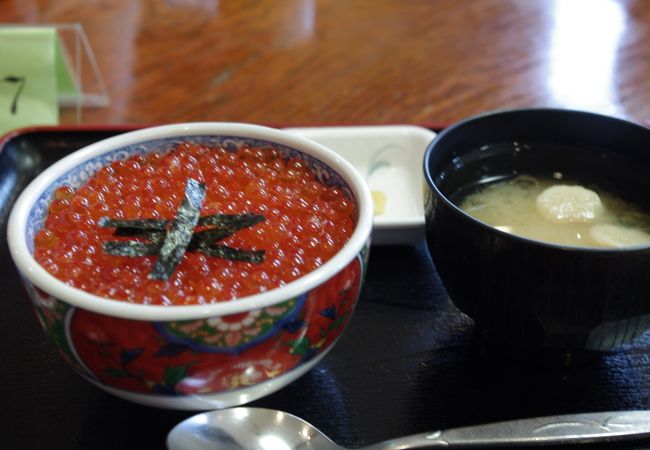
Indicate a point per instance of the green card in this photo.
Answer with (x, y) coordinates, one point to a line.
(32, 72)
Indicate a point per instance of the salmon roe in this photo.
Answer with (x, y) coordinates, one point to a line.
(306, 224)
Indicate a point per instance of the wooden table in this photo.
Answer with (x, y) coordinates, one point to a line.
(409, 361)
(357, 61)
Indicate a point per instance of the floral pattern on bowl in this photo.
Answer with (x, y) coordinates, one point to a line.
(207, 355)
(233, 333)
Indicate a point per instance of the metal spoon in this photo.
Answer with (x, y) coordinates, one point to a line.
(267, 429)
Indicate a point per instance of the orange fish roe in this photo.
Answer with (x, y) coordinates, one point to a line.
(306, 224)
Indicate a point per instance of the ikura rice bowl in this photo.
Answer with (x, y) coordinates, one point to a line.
(194, 224)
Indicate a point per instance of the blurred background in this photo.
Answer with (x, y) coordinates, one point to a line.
(356, 61)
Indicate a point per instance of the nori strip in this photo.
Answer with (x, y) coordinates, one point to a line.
(226, 228)
(131, 248)
(180, 233)
(170, 239)
(233, 254)
(220, 220)
(154, 236)
(136, 248)
(139, 224)
(228, 220)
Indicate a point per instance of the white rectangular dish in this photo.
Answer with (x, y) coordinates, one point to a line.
(390, 159)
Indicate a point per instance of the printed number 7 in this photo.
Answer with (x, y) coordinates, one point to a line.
(21, 83)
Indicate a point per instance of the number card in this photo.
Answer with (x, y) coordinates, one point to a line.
(32, 71)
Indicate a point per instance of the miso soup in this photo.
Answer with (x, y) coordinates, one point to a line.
(560, 212)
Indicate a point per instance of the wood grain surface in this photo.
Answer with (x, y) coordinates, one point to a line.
(357, 61)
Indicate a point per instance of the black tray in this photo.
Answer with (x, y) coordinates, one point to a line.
(409, 361)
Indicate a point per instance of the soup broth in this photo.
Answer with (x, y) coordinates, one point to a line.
(560, 212)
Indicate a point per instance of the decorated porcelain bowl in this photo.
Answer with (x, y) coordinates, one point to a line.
(206, 355)
(526, 294)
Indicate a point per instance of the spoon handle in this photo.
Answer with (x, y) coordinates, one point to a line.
(552, 430)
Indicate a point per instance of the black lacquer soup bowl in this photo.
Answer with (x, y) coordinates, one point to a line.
(525, 294)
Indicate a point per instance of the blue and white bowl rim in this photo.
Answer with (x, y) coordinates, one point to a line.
(30, 211)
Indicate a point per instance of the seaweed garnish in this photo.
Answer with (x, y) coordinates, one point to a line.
(180, 233)
(169, 240)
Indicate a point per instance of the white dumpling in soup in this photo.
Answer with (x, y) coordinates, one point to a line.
(513, 206)
(617, 236)
(563, 203)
